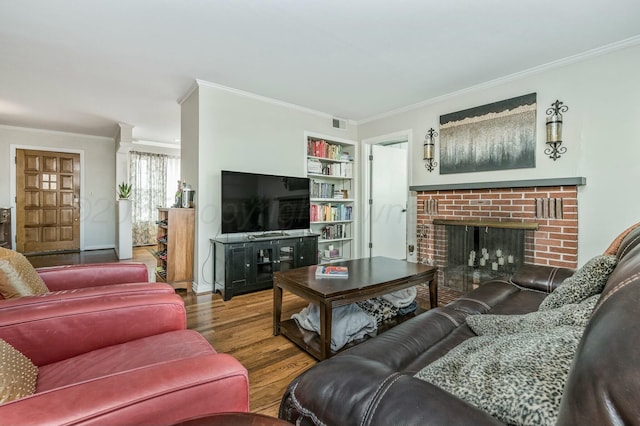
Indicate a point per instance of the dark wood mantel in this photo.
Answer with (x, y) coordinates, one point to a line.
(488, 224)
(574, 181)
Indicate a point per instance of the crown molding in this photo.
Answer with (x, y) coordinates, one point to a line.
(188, 93)
(56, 132)
(277, 102)
(609, 48)
(157, 144)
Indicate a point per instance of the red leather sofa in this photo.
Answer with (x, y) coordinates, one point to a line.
(115, 354)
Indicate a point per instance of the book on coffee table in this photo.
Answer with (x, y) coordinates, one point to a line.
(332, 272)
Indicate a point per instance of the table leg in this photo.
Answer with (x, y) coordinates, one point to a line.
(326, 313)
(433, 291)
(277, 307)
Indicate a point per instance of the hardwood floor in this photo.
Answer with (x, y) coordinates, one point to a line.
(241, 327)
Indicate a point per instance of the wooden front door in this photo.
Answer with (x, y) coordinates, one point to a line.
(47, 201)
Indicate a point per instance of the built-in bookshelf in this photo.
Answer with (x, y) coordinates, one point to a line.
(331, 166)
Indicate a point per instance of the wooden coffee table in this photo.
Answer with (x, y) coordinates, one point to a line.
(370, 277)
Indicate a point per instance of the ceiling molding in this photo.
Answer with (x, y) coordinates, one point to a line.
(516, 76)
(188, 93)
(157, 144)
(260, 98)
(57, 132)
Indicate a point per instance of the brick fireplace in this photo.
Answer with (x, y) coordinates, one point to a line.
(545, 210)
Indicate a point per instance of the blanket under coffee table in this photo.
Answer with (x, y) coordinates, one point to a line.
(369, 277)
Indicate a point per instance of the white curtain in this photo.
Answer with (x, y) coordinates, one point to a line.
(173, 177)
(149, 180)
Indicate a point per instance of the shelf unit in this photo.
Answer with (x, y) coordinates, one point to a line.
(175, 247)
(331, 166)
(5, 228)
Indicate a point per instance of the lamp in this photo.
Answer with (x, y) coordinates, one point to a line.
(554, 130)
(429, 149)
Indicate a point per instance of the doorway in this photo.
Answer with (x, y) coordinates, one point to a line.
(386, 194)
(47, 201)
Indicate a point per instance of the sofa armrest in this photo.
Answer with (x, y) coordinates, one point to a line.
(541, 278)
(68, 326)
(164, 393)
(349, 389)
(92, 275)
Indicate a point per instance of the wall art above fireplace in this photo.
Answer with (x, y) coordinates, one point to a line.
(496, 136)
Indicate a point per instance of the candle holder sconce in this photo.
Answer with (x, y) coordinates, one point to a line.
(429, 149)
(554, 130)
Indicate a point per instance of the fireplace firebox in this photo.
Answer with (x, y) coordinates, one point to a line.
(474, 251)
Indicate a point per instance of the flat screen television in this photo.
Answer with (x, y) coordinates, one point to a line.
(254, 202)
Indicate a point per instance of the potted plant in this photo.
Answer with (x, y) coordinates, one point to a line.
(124, 191)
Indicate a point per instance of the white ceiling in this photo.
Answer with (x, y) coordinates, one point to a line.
(84, 65)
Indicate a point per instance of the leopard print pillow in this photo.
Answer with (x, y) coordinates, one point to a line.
(576, 314)
(517, 378)
(587, 281)
(378, 308)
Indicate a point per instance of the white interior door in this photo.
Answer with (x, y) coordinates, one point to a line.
(388, 208)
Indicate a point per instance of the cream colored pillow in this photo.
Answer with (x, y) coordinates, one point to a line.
(18, 375)
(18, 277)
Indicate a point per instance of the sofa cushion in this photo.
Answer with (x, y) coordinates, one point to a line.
(18, 375)
(587, 281)
(18, 277)
(576, 314)
(517, 378)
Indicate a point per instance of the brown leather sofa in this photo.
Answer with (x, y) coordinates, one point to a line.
(115, 353)
(374, 384)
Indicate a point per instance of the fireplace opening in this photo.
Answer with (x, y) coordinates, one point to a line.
(474, 252)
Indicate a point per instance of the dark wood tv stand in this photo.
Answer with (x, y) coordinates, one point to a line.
(245, 263)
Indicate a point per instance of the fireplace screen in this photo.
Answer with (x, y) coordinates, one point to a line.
(474, 254)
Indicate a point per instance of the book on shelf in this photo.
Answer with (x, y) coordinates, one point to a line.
(334, 231)
(314, 166)
(328, 212)
(332, 253)
(332, 272)
(340, 170)
(323, 149)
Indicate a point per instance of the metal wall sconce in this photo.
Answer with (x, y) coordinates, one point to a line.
(429, 149)
(554, 130)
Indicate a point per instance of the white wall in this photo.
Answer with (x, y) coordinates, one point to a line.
(601, 130)
(240, 132)
(97, 193)
(190, 170)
